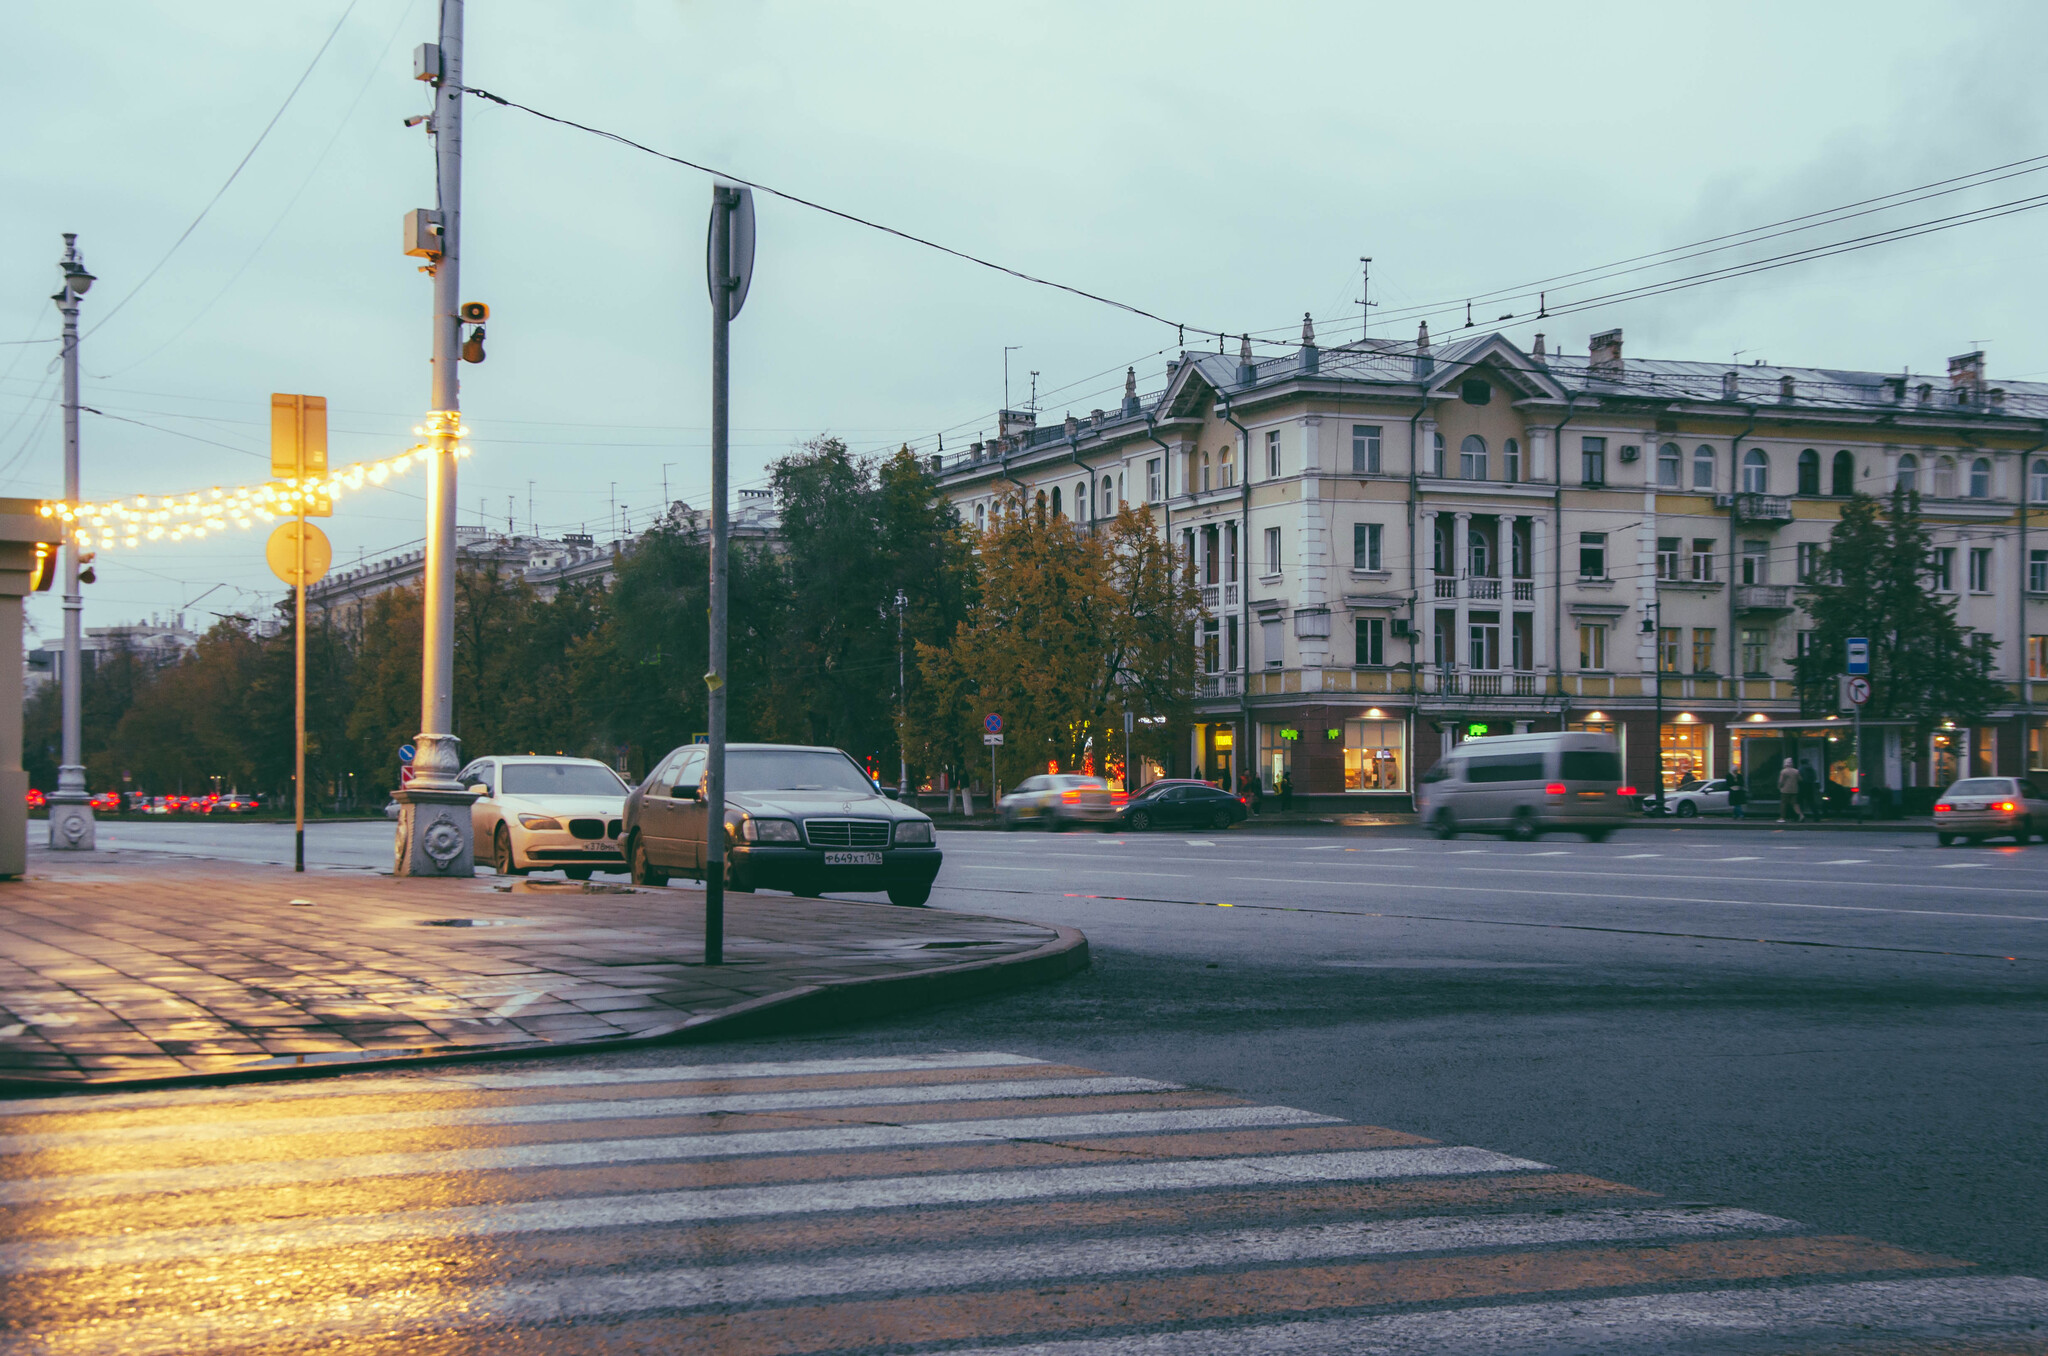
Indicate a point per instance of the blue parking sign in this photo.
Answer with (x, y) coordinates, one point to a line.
(1859, 656)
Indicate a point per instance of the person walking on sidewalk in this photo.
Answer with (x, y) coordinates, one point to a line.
(1788, 791)
(1738, 797)
(1253, 789)
(1286, 789)
(1809, 793)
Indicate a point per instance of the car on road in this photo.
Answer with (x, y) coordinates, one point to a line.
(1977, 808)
(234, 803)
(801, 818)
(37, 800)
(1689, 802)
(1058, 800)
(1526, 785)
(534, 813)
(106, 802)
(1182, 805)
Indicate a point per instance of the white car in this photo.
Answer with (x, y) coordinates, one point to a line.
(1707, 798)
(533, 813)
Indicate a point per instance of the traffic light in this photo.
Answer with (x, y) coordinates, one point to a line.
(43, 573)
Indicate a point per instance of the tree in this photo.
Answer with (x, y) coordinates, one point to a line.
(1873, 582)
(1070, 630)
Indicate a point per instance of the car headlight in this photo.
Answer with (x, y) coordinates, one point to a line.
(769, 831)
(539, 822)
(914, 831)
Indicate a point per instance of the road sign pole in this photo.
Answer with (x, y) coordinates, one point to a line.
(299, 697)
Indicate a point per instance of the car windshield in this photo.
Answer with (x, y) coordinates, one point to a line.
(1982, 786)
(794, 770)
(560, 779)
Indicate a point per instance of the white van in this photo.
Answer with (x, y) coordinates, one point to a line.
(1528, 784)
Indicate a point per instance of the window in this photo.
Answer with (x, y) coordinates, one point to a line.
(981, 517)
(1511, 460)
(1212, 655)
(1592, 646)
(1667, 557)
(1802, 645)
(1108, 497)
(1981, 646)
(1523, 642)
(1365, 546)
(1980, 478)
(1844, 476)
(1941, 575)
(1703, 468)
(1702, 649)
(1230, 642)
(1670, 461)
(1809, 561)
(1230, 552)
(1480, 548)
(1945, 478)
(1273, 455)
(1592, 461)
(1521, 547)
(1756, 471)
(1436, 454)
(1370, 638)
(1472, 458)
(1440, 546)
(1909, 472)
(1473, 391)
(1225, 467)
(2037, 571)
(1669, 641)
(1083, 500)
(1365, 449)
(1273, 641)
(1592, 555)
(1485, 638)
(2037, 656)
(1980, 569)
(1055, 501)
(1372, 754)
(1272, 550)
(1152, 481)
(2038, 482)
(1204, 480)
(1121, 497)
(1756, 562)
(1809, 472)
(1703, 560)
(1444, 641)
(1756, 649)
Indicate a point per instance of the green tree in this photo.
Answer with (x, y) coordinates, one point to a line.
(1873, 582)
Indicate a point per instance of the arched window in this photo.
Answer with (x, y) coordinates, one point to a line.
(1703, 467)
(1440, 546)
(1108, 498)
(1224, 479)
(1481, 548)
(1670, 461)
(1945, 477)
(1121, 499)
(1436, 454)
(1756, 471)
(1809, 472)
(1980, 478)
(1909, 472)
(1472, 458)
(1511, 460)
(981, 517)
(1041, 507)
(1205, 470)
(1083, 501)
(1055, 501)
(1844, 475)
(2038, 494)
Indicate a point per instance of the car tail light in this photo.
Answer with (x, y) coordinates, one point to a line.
(1554, 789)
(1943, 809)
(1070, 796)
(1625, 791)
(1119, 798)
(2006, 806)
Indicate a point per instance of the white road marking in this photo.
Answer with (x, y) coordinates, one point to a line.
(1631, 856)
(1959, 866)
(1555, 852)
(1200, 842)
(1845, 861)
(1328, 847)
(244, 1239)
(984, 866)
(1738, 859)
(608, 1109)
(1465, 852)
(661, 1148)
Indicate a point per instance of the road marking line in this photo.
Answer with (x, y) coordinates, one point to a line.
(1200, 842)
(1555, 852)
(608, 1109)
(1332, 847)
(1463, 852)
(213, 1242)
(1738, 859)
(574, 1153)
(1632, 856)
(1845, 861)
(1960, 866)
(984, 866)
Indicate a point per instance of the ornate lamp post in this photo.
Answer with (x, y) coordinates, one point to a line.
(71, 822)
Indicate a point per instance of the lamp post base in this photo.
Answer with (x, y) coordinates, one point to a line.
(434, 837)
(72, 827)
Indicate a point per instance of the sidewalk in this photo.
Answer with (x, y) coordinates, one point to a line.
(124, 966)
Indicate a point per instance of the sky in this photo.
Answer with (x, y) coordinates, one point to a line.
(1220, 165)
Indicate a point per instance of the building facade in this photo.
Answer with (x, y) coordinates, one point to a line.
(1402, 546)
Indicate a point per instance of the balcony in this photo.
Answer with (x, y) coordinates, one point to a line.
(1525, 590)
(1757, 508)
(1763, 597)
(1483, 588)
(1216, 685)
(1446, 588)
(1484, 684)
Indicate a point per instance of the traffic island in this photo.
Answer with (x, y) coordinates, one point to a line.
(132, 967)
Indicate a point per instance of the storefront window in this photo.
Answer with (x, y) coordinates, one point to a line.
(2037, 748)
(1375, 755)
(1984, 751)
(1946, 758)
(1688, 753)
(1597, 723)
(1276, 754)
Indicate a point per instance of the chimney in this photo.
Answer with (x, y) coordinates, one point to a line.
(1424, 363)
(1311, 357)
(1073, 427)
(1538, 353)
(1787, 390)
(1731, 386)
(1925, 393)
(1966, 376)
(974, 451)
(1131, 406)
(1095, 418)
(1246, 372)
(1998, 400)
(1606, 355)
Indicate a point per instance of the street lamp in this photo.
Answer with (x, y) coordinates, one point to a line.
(902, 712)
(1653, 626)
(71, 821)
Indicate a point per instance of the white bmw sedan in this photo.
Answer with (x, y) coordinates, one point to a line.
(534, 813)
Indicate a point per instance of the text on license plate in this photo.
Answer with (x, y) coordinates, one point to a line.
(853, 859)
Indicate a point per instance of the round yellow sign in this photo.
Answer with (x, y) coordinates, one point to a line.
(283, 552)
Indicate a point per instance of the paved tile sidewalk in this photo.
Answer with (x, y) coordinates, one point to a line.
(118, 966)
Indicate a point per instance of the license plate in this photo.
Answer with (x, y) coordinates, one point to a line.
(853, 859)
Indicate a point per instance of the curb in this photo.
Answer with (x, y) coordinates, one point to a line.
(811, 1005)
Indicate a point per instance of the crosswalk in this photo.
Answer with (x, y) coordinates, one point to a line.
(955, 1202)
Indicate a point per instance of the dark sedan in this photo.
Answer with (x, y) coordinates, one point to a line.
(1182, 805)
(802, 819)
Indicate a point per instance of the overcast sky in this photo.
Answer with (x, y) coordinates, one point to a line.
(1219, 164)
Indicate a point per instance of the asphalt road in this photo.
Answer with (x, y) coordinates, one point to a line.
(1849, 1029)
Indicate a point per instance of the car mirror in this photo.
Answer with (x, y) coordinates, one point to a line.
(685, 793)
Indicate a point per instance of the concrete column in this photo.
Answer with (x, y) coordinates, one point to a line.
(1540, 547)
(1461, 548)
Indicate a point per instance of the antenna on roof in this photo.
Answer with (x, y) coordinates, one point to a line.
(1365, 301)
(1543, 305)
(1468, 315)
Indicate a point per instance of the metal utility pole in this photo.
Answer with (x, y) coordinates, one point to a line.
(71, 821)
(434, 837)
(1364, 295)
(1654, 624)
(902, 712)
(729, 269)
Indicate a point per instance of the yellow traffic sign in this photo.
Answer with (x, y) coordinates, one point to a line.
(283, 552)
(298, 442)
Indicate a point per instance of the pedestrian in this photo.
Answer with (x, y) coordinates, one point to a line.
(1788, 791)
(1809, 792)
(1255, 788)
(1738, 797)
(1286, 789)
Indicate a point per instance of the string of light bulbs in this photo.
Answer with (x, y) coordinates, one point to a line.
(190, 516)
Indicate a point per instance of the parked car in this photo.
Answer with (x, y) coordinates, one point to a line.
(535, 812)
(391, 809)
(1058, 800)
(106, 802)
(1688, 802)
(1527, 785)
(37, 800)
(1977, 808)
(234, 803)
(1182, 805)
(799, 818)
